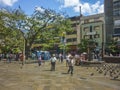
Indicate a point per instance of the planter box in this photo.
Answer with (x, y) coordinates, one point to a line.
(111, 59)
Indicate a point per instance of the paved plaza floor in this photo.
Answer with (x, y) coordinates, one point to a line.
(34, 77)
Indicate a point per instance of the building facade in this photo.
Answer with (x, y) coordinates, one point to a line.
(86, 27)
(72, 37)
(92, 28)
(116, 18)
(112, 18)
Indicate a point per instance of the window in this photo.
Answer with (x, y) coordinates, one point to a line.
(90, 28)
(96, 27)
(86, 21)
(69, 40)
(116, 4)
(117, 23)
(86, 36)
(96, 36)
(116, 12)
(90, 36)
(96, 19)
(74, 39)
(86, 28)
(74, 32)
(68, 33)
(117, 30)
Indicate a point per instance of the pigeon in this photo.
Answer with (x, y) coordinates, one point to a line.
(91, 74)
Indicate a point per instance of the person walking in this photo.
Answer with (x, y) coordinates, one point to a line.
(39, 60)
(61, 57)
(0, 56)
(71, 65)
(22, 57)
(67, 59)
(10, 57)
(53, 62)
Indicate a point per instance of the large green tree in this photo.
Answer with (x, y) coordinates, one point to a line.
(10, 38)
(41, 26)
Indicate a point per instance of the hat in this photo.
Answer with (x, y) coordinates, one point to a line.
(71, 57)
(53, 55)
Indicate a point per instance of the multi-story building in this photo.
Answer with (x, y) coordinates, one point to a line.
(92, 28)
(116, 18)
(71, 37)
(112, 18)
(87, 27)
(100, 27)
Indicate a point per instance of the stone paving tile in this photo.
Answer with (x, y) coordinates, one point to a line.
(33, 77)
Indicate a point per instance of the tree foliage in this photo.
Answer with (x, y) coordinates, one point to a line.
(112, 46)
(83, 45)
(9, 36)
(41, 27)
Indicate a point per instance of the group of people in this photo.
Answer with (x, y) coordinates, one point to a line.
(69, 63)
(10, 56)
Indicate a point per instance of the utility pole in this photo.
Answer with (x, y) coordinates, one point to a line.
(103, 42)
(80, 11)
(80, 23)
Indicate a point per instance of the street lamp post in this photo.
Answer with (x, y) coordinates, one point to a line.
(24, 50)
(64, 43)
(102, 50)
(88, 51)
(55, 48)
(64, 48)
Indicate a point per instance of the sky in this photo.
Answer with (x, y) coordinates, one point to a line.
(70, 7)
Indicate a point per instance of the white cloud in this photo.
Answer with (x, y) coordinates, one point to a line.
(101, 9)
(86, 7)
(39, 9)
(8, 2)
(69, 3)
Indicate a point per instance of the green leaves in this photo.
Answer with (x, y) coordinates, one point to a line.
(40, 27)
(83, 45)
(112, 46)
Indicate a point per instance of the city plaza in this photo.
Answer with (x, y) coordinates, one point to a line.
(30, 76)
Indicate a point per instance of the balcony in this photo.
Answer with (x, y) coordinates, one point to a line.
(91, 33)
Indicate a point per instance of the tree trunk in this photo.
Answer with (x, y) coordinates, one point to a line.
(27, 50)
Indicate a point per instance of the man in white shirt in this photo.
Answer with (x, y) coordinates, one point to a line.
(67, 59)
(71, 65)
(53, 62)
